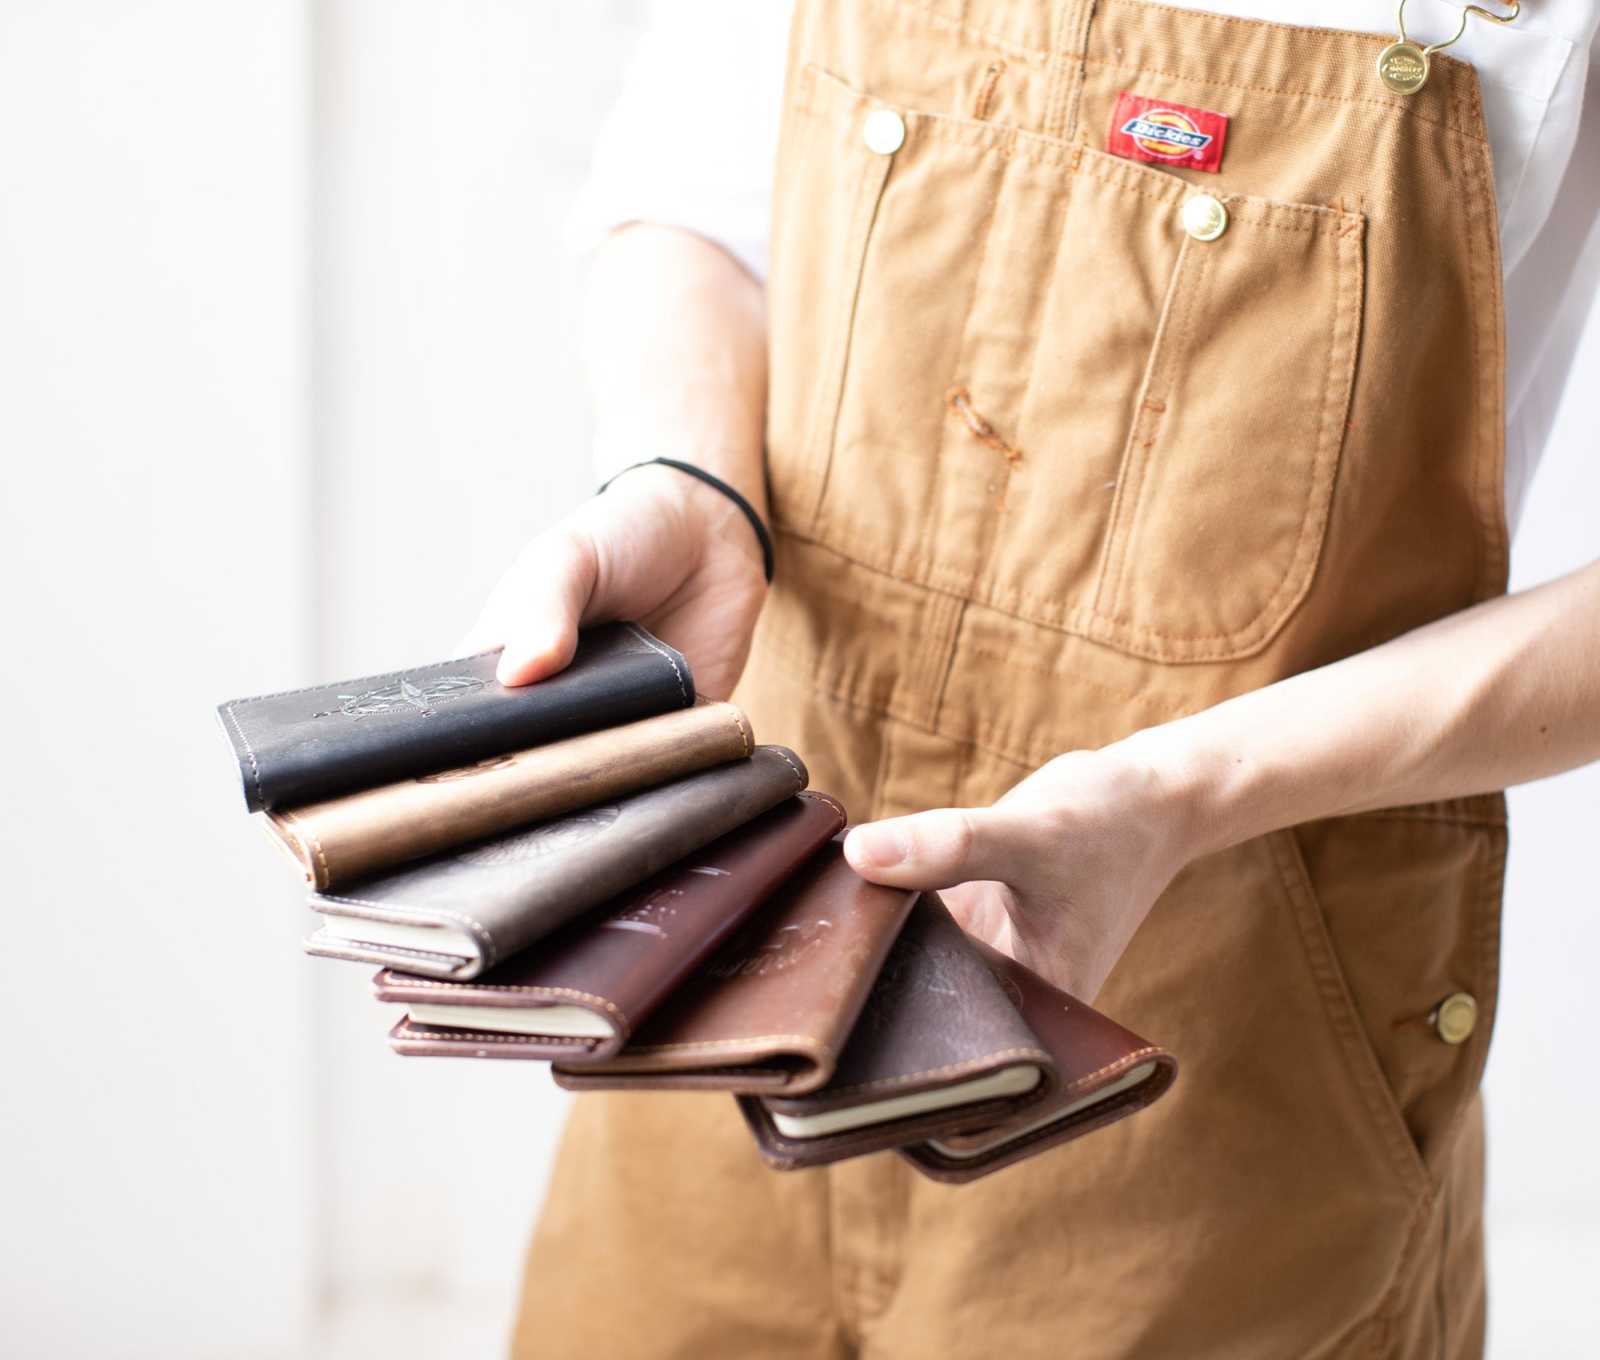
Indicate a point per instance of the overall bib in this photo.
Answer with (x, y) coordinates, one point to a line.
(1053, 459)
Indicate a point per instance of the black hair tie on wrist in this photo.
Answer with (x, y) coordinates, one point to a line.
(710, 479)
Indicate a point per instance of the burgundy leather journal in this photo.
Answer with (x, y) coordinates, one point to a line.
(308, 744)
(771, 1012)
(581, 993)
(964, 1059)
(346, 838)
(459, 914)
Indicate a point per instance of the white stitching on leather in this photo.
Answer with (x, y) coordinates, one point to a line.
(615, 1010)
(814, 795)
(409, 1027)
(479, 931)
(249, 750)
(797, 1040)
(348, 949)
(654, 646)
(783, 754)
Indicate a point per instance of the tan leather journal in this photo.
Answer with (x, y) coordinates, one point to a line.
(772, 1012)
(342, 839)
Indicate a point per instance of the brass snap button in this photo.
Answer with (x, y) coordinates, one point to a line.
(1456, 1018)
(1403, 67)
(1204, 217)
(884, 131)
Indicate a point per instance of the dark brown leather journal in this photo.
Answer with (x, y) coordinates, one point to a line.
(581, 993)
(968, 1056)
(346, 838)
(461, 913)
(773, 1010)
(1102, 1073)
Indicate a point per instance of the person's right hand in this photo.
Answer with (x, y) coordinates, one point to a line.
(659, 548)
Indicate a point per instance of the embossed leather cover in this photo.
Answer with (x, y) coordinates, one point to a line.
(497, 897)
(946, 1012)
(624, 965)
(345, 838)
(304, 745)
(772, 1011)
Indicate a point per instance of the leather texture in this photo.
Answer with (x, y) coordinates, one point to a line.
(304, 745)
(505, 894)
(626, 964)
(773, 1011)
(341, 839)
(946, 1010)
(1089, 1052)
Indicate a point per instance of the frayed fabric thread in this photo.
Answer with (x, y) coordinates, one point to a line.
(959, 402)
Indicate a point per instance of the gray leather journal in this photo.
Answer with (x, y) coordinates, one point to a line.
(459, 914)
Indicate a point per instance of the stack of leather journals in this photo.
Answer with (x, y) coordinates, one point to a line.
(604, 872)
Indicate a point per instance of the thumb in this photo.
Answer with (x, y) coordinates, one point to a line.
(929, 849)
(536, 609)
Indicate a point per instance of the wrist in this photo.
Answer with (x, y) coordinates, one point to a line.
(1187, 788)
(710, 517)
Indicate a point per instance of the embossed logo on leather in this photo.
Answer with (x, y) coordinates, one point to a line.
(777, 953)
(404, 697)
(650, 916)
(538, 841)
(654, 912)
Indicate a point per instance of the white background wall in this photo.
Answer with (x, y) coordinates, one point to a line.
(286, 374)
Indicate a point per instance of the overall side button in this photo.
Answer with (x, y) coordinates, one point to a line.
(1456, 1017)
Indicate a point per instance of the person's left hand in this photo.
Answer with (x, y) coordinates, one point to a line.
(1058, 873)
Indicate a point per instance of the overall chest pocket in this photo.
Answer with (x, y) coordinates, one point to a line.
(1003, 368)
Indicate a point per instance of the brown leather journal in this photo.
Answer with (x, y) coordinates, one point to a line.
(346, 838)
(771, 1012)
(581, 993)
(965, 1060)
(461, 913)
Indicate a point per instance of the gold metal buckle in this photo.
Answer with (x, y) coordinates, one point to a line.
(1403, 65)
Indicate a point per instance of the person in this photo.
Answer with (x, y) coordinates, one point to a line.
(1139, 398)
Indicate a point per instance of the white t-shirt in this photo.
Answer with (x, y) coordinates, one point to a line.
(691, 142)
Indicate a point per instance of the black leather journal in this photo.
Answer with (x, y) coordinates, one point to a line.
(308, 744)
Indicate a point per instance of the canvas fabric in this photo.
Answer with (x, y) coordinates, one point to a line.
(1046, 469)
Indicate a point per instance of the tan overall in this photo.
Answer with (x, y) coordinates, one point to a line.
(1048, 468)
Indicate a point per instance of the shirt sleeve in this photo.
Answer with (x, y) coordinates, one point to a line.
(1552, 317)
(692, 140)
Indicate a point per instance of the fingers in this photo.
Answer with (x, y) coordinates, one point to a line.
(535, 611)
(933, 849)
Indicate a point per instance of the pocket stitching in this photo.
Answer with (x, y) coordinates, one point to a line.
(1083, 619)
(864, 212)
(1344, 1020)
(1143, 435)
(1275, 611)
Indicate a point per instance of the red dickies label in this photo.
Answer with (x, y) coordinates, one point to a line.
(1144, 129)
